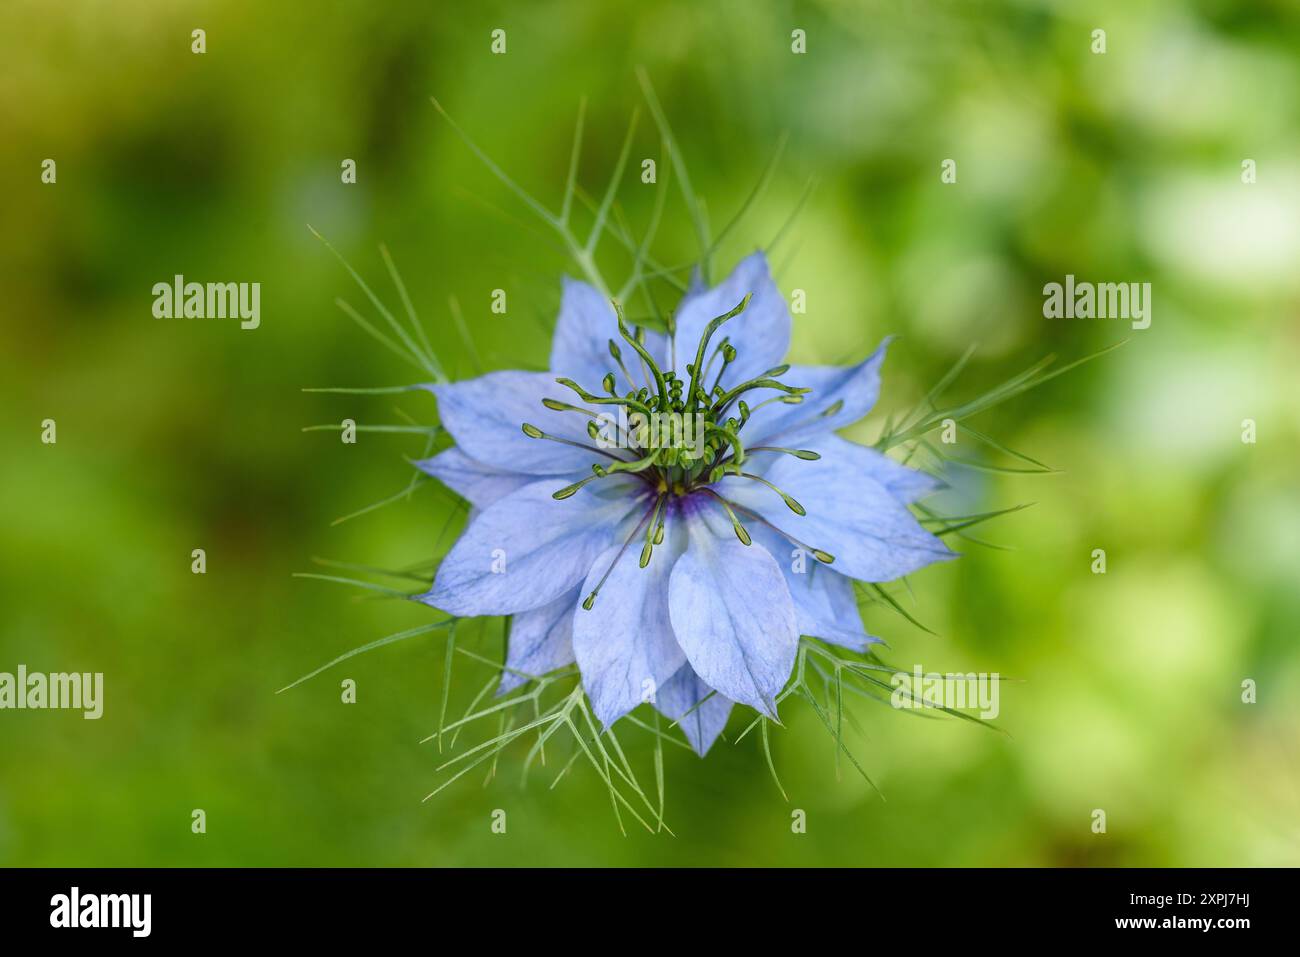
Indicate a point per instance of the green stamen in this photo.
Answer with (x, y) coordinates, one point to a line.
(739, 529)
(806, 454)
(708, 366)
(617, 353)
(789, 500)
(570, 490)
(533, 432)
(759, 383)
(728, 357)
(590, 600)
(652, 531)
(602, 400)
(824, 557)
(663, 453)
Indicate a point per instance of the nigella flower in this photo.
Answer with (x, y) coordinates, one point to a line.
(677, 572)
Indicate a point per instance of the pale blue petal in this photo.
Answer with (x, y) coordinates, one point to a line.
(857, 387)
(547, 548)
(682, 693)
(478, 484)
(624, 645)
(871, 534)
(580, 349)
(905, 484)
(824, 604)
(540, 641)
(485, 416)
(732, 614)
(761, 334)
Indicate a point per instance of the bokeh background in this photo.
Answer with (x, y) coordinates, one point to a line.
(174, 435)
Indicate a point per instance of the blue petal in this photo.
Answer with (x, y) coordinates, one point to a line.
(547, 548)
(541, 640)
(624, 644)
(905, 484)
(478, 484)
(761, 334)
(871, 533)
(824, 603)
(682, 693)
(857, 387)
(732, 614)
(580, 349)
(485, 416)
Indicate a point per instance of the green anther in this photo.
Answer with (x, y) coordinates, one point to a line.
(555, 405)
(726, 361)
(652, 530)
(533, 432)
(833, 407)
(823, 557)
(739, 529)
(659, 533)
(600, 400)
(669, 468)
(789, 500)
(591, 599)
(806, 454)
(709, 330)
(760, 383)
(570, 490)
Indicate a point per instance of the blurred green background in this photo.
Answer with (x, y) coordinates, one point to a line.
(174, 435)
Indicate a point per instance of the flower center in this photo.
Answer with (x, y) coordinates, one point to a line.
(678, 437)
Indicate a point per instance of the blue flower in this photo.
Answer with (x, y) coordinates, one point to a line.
(673, 565)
